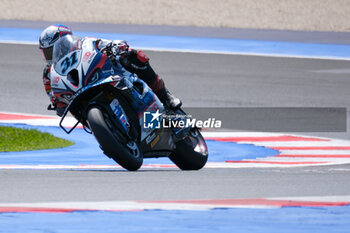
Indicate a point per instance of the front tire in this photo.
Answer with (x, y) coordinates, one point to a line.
(128, 156)
(191, 153)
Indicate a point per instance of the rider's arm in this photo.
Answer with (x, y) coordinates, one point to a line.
(57, 105)
(46, 80)
(135, 61)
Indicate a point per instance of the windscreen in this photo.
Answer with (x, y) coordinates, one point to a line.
(64, 55)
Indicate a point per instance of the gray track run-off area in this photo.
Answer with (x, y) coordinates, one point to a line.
(200, 80)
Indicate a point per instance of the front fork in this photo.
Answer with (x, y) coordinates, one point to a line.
(120, 115)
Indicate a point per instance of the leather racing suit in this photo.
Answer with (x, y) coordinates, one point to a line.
(135, 61)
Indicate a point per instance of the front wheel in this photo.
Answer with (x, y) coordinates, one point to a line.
(191, 153)
(128, 156)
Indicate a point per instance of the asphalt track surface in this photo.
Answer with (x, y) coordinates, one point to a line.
(201, 81)
(30, 186)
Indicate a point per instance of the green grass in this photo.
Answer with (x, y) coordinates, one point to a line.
(16, 139)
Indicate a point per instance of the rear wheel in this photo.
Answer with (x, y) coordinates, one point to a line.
(129, 156)
(191, 153)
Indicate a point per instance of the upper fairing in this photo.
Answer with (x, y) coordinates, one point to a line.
(87, 60)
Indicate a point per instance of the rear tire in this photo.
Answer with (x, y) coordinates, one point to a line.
(128, 156)
(191, 153)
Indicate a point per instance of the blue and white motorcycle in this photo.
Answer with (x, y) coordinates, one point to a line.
(125, 116)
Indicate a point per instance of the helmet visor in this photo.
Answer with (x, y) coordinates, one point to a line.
(47, 53)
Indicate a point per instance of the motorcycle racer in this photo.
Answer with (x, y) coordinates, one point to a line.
(135, 61)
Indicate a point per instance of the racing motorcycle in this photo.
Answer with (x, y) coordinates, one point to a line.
(119, 109)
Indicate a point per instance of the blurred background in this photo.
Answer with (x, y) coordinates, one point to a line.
(320, 15)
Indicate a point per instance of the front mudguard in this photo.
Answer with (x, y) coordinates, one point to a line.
(83, 98)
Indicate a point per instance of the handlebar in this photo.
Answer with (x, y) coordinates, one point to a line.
(113, 55)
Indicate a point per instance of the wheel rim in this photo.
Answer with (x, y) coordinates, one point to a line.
(198, 143)
(133, 148)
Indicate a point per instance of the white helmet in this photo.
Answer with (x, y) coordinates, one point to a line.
(48, 38)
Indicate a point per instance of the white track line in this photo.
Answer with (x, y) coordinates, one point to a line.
(300, 143)
(315, 198)
(128, 205)
(156, 49)
(184, 205)
(315, 152)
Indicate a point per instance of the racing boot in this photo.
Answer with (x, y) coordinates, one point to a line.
(168, 99)
(164, 95)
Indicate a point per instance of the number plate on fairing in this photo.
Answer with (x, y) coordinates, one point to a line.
(69, 62)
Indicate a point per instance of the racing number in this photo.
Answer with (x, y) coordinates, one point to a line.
(68, 62)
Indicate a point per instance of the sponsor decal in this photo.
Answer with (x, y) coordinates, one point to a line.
(150, 138)
(110, 71)
(86, 56)
(154, 142)
(56, 79)
(119, 112)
